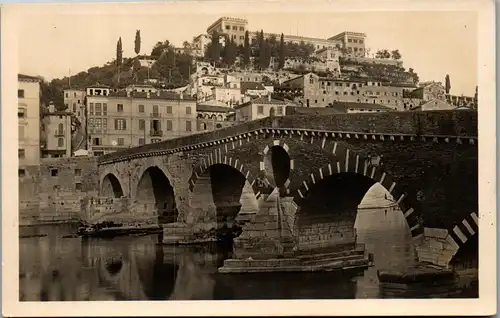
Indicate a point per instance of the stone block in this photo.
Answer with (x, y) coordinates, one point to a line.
(435, 232)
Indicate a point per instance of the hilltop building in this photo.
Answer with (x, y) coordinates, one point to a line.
(28, 114)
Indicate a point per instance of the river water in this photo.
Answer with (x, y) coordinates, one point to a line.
(53, 268)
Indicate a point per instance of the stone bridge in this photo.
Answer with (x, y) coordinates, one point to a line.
(296, 181)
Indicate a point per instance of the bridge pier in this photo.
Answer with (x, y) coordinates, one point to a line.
(268, 244)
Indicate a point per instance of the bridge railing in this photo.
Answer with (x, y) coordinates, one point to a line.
(430, 123)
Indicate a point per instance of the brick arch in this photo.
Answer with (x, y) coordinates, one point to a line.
(140, 172)
(111, 170)
(219, 158)
(353, 163)
(282, 144)
(462, 232)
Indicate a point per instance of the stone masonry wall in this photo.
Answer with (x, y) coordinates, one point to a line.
(53, 191)
(327, 235)
(118, 210)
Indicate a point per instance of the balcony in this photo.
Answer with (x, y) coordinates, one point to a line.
(153, 133)
(59, 133)
(155, 115)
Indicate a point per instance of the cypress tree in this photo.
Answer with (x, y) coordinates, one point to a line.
(246, 52)
(282, 52)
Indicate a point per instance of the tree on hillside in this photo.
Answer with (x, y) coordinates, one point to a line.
(262, 50)
(119, 55)
(447, 84)
(230, 52)
(475, 98)
(246, 50)
(188, 49)
(137, 42)
(215, 48)
(282, 52)
(395, 55)
(159, 48)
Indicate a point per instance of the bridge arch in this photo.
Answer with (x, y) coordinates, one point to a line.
(462, 242)
(111, 186)
(222, 190)
(156, 192)
(277, 163)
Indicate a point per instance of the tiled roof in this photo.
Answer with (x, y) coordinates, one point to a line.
(245, 86)
(157, 95)
(28, 78)
(212, 108)
(264, 100)
(360, 105)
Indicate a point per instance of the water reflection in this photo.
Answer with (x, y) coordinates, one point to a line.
(53, 268)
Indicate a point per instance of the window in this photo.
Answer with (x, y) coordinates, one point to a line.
(21, 113)
(60, 142)
(91, 123)
(260, 110)
(242, 37)
(188, 110)
(360, 41)
(91, 108)
(242, 29)
(349, 40)
(54, 172)
(79, 102)
(74, 94)
(142, 124)
(60, 129)
(98, 124)
(218, 126)
(20, 93)
(169, 109)
(355, 41)
(74, 107)
(141, 108)
(141, 141)
(279, 110)
(311, 81)
(21, 173)
(235, 28)
(98, 109)
(78, 172)
(104, 109)
(21, 132)
(21, 153)
(153, 140)
(188, 125)
(315, 101)
(104, 124)
(169, 125)
(119, 108)
(120, 124)
(96, 142)
(121, 141)
(78, 186)
(67, 95)
(228, 27)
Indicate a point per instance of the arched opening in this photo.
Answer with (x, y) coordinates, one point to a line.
(467, 256)
(157, 194)
(344, 210)
(277, 166)
(111, 187)
(223, 196)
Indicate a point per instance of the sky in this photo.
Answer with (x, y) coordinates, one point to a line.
(432, 43)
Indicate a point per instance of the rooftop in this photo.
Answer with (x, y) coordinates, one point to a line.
(212, 108)
(155, 96)
(262, 101)
(28, 78)
(353, 105)
(245, 86)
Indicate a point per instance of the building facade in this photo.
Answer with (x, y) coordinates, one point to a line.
(233, 28)
(28, 113)
(429, 91)
(58, 131)
(126, 119)
(319, 91)
(260, 108)
(352, 42)
(74, 100)
(213, 117)
(199, 45)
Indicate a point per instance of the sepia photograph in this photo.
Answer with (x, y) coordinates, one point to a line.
(248, 151)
